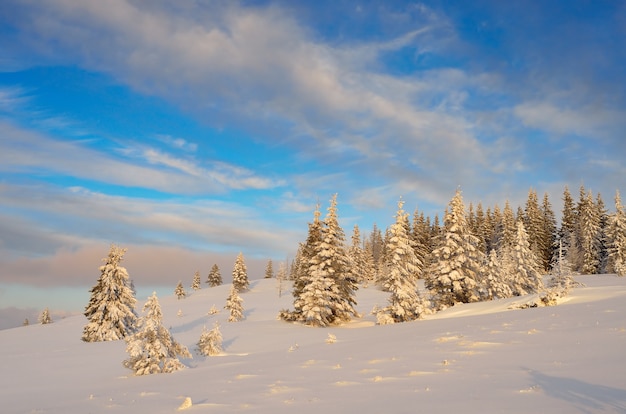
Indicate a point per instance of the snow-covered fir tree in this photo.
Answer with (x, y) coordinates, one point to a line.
(302, 272)
(234, 304)
(508, 227)
(548, 233)
(215, 277)
(589, 233)
(568, 221)
(329, 296)
(420, 237)
(454, 273)
(495, 284)
(403, 269)
(152, 349)
(195, 284)
(533, 222)
(240, 274)
(603, 222)
(210, 342)
(111, 308)
(179, 291)
(375, 246)
(357, 256)
(45, 318)
(562, 272)
(269, 269)
(616, 239)
(523, 274)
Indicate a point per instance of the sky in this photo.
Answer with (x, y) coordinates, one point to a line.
(191, 131)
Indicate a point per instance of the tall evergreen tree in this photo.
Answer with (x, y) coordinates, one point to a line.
(456, 261)
(616, 239)
(328, 297)
(404, 268)
(269, 269)
(523, 275)
(495, 283)
(562, 271)
(508, 227)
(195, 284)
(377, 247)
(302, 275)
(533, 222)
(240, 274)
(234, 304)
(569, 221)
(482, 229)
(548, 234)
(152, 349)
(589, 234)
(111, 308)
(420, 237)
(603, 223)
(356, 254)
(215, 277)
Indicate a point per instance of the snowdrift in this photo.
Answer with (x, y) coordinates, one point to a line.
(473, 358)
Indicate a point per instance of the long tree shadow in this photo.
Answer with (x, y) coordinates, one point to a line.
(586, 397)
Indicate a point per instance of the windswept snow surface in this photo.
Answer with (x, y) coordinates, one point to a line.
(473, 358)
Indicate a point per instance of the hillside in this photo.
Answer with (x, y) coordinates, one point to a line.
(474, 358)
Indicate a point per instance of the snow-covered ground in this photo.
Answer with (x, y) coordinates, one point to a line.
(476, 358)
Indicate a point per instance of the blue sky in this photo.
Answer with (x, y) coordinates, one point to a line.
(190, 131)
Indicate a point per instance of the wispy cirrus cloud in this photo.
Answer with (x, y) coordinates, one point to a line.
(24, 150)
(76, 216)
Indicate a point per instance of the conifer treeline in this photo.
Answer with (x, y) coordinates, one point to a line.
(475, 255)
(583, 233)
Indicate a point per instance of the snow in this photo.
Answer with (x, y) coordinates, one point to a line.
(472, 358)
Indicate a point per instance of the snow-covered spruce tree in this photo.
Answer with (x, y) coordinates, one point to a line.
(375, 246)
(533, 222)
(269, 270)
(180, 291)
(234, 304)
(356, 254)
(195, 284)
(454, 274)
(403, 269)
(420, 237)
(152, 349)
(524, 277)
(328, 295)
(302, 272)
(215, 277)
(240, 274)
(616, 239)
(495, 284)
(589, 234)
(45, 318)
(548, 234)
(111, 308)
(210, 342)
(562, 272)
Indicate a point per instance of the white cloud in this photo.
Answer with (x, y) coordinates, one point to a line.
(24, 151)
(77, 217)
(586, 121)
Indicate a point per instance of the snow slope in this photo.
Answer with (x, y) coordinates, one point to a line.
(476, 358)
